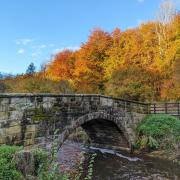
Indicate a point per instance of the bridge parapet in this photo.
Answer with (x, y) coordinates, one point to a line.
(27, 99)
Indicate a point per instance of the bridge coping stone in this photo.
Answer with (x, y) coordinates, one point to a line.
(17, 95)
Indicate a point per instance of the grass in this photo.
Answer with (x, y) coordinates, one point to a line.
(158, 132)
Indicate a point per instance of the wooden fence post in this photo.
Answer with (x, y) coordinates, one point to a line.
(165, 107)
(154, 108)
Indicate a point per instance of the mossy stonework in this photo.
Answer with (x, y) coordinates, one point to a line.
(28, 119)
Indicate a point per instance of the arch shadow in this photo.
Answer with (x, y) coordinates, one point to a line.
(86, 119)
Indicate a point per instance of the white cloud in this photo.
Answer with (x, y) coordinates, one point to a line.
(73, 48)
(35, 54)
(38, 49)
(24, 41)
(21, 51)
(140, 1)
(41, 46)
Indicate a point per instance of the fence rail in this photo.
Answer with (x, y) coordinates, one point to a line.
(165, 108)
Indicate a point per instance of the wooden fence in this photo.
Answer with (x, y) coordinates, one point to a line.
(165, 108)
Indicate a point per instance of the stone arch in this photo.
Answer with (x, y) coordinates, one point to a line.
(118, 121)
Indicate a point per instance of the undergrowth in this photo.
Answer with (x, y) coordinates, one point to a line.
(8, 169)
(158, 132)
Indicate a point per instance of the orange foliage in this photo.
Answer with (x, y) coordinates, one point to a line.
(106, 61)
(61, 66)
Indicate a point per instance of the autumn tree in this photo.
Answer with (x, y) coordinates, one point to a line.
(89, 71)
(114, 54)
(62, 65)
(171, 87)
(124, 52)
(134, 83)
(165, 16)
(141, 63)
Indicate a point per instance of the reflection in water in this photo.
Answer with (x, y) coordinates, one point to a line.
(111, 165)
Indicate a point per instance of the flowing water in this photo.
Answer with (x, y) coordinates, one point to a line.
(111, 165)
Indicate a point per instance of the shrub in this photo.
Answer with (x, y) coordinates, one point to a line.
(47, 165)
(41, 158)
(7, 166)
(158, 132)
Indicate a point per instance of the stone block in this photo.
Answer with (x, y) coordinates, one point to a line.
(29, 135)
(13, 130)
(31, 128)
(2, 132)
(15, 115)
(28, 142)
(4, 101)
(4, 115)
(17, 100)
(14, 122)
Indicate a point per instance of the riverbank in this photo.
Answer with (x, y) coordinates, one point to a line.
(158, 136)
(74, 159)
(172, 157)
(164, 155)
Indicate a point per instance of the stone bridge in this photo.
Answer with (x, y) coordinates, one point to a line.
(28, 119)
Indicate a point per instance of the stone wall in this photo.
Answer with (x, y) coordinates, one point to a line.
(31, 118)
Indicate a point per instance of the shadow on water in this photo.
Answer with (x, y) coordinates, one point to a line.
(111, 165)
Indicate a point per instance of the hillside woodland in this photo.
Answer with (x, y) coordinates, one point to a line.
(141, 63)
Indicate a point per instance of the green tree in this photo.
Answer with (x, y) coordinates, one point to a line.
(31, 69)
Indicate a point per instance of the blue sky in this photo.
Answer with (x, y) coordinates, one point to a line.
(33, 30)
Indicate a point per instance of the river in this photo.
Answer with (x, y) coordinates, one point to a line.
(112, 165)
